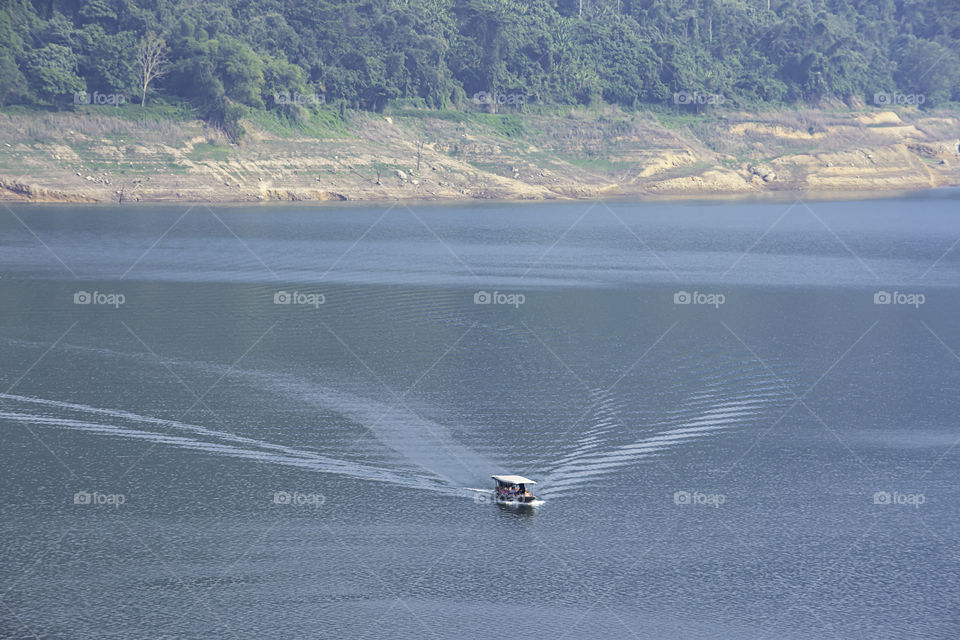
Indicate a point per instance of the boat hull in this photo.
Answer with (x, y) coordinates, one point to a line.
(518, 500)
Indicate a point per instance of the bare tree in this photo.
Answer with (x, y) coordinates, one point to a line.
(121, 193)
(420, 144)
(152, 62)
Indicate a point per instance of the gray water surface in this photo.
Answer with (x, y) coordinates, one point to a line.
(777, 462)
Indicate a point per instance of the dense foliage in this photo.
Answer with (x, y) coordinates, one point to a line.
(290, 55)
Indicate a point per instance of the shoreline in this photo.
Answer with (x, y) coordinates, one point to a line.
(99, 156)
(777, 197)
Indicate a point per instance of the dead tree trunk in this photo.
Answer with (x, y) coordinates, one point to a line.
(420, 144)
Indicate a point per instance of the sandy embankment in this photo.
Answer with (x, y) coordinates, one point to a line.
(100, 157)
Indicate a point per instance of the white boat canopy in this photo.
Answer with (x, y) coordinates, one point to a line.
(513, 480)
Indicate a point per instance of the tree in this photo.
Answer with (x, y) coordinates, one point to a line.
(926, 68)
(106, 63)
(152, 62)
(240, 70)
(229, 55)
(12, 82)
(420, 144)
(52, 72)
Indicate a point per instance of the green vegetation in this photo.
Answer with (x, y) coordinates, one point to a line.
(207, 151)
(321, 124)
(304, 62)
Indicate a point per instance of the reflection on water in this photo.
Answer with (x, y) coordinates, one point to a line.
(517, 510)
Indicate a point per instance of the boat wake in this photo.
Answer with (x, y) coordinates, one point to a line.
(184, 435)
(726, 402)
(587, 465)
(413, 451)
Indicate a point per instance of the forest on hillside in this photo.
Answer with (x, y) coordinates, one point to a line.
(224, 56)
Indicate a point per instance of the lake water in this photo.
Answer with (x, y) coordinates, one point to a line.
(281, 421)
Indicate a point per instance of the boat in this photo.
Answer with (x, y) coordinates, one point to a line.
(513, 490)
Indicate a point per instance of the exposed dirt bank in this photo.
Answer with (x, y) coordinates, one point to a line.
(103, 156)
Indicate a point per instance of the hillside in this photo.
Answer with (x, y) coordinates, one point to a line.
(295, 57)
(241, 100)
(99, 155)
